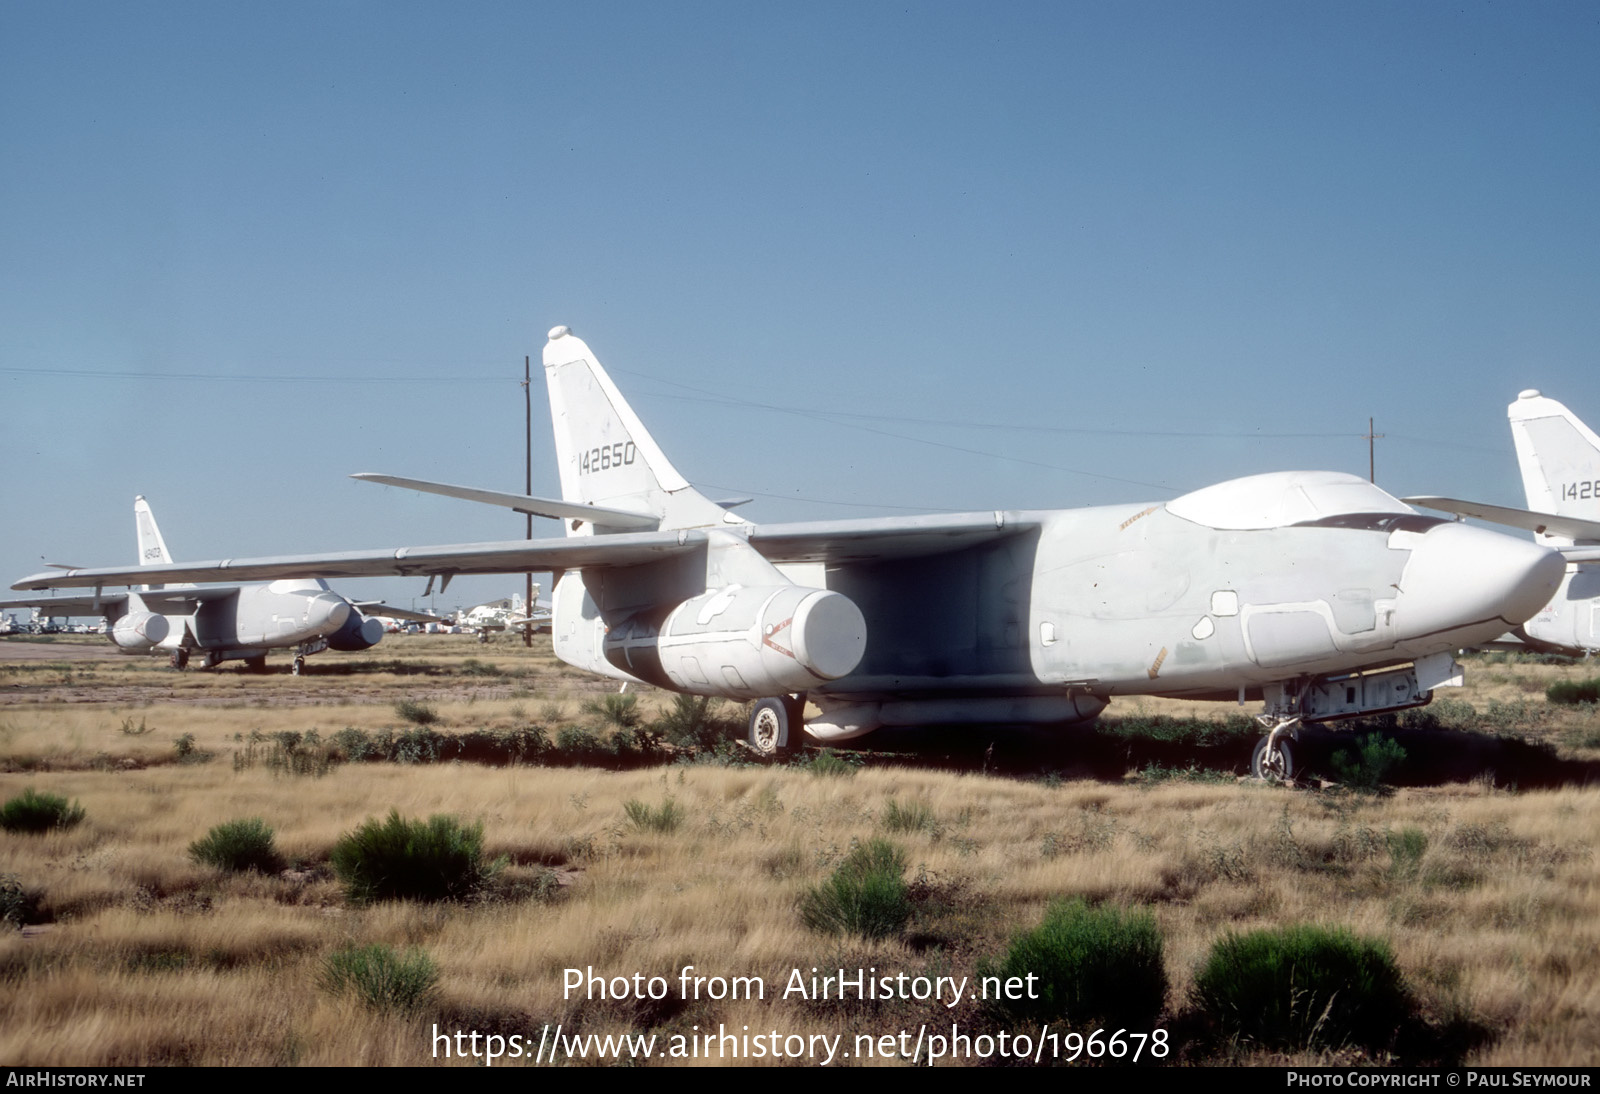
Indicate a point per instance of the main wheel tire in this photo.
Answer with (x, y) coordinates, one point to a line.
(774, 723)
(180, 659)
(1278, 768)
(298, 666)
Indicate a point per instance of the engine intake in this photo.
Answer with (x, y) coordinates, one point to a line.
(140, 630)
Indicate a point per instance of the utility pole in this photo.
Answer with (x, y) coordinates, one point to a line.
(1372, 467)
(527, 488)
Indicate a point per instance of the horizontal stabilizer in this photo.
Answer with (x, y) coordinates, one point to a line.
(627, 519)
(65, 607)
(378, 607)
(1542, 523)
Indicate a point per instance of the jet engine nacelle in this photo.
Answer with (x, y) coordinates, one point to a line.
(140, 631)
(360, 632)
(745, 642)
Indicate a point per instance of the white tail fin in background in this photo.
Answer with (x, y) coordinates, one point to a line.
(606, 455)
(1560, 460)
(152, 548)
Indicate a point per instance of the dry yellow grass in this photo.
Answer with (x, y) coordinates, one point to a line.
(147, 958)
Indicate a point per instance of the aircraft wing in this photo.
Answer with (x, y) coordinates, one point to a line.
(523, 503)
(509, 557)
(830, 542)
(1549, 523)
(885, 538)
(61, 607)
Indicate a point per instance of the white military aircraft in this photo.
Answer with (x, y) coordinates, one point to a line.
(506, 614)
(221, 622)
(1315, 592)
(1559, 458)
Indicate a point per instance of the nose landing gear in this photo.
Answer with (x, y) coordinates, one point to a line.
(1273, 761)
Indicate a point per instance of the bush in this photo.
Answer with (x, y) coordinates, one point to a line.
(1298, 987)
(419, 714)
(1096, 966)
(1367, 768)
(398, 859)
(829, 765)
(867, 895)
(1574, 691)
(691, 721)
(617, 711)
(384, 980)
(914, 816)
(662, 819)
(32, 811)
(238, 845)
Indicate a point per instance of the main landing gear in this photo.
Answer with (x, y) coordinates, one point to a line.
(180, 659)
(775, 722)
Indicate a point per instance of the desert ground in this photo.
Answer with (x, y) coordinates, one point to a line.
(621, 837)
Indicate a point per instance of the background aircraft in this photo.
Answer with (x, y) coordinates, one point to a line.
(1314, 592)
(221, 622)
(506, 614)
(1559, 458)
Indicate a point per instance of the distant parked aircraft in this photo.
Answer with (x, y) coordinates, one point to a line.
(220, 622)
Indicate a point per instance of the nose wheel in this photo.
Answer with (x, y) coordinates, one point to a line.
(1273, 761)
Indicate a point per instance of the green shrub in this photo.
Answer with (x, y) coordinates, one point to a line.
(691, 721)
(828, 765)
(32, 811)
(1406, 848)
(399, 859)
(1370, 765)
(418, 714)
(914, 816)
(867, 895)
(664, 818)
(386, 981)
(1297, 987)
(617, 711)
(238, 845)
(1574, 691)
(1095, 966)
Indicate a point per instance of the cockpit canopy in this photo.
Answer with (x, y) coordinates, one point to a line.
(1328, 499)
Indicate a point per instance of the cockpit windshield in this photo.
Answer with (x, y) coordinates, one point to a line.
(1376, 522)
(1287, 498)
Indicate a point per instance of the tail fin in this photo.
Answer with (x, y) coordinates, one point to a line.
(606, 455)
(1560, 460)
(152, 548)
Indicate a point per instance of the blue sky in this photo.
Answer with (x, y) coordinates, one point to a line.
(849, 258)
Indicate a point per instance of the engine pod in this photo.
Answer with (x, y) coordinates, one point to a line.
(747, 642)
(140, 630)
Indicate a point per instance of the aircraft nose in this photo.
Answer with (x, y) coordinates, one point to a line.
(1459, 576)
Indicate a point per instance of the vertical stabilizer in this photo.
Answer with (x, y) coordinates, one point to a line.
(1560, 460)
(605, 454)
(152, 548)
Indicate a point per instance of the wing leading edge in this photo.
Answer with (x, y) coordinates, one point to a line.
(836, 542)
